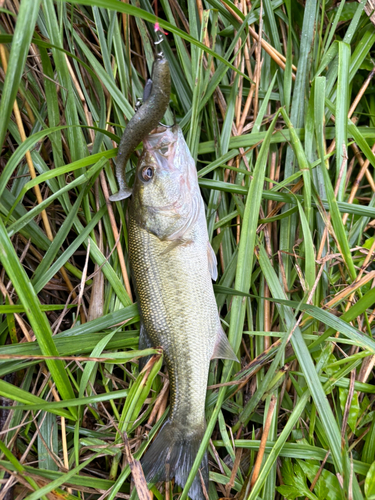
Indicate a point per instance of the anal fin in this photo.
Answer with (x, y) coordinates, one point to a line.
(223, 349)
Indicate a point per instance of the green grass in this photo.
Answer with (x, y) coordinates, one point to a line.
(288, 182)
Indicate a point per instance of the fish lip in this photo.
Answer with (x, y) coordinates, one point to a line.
(152, 141)
(163, 129)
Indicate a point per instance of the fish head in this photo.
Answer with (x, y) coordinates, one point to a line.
(166, 197)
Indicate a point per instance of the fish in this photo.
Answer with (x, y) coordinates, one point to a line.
(155, 102)
(173, 265)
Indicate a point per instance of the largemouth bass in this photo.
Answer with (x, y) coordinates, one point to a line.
(155, 102)
(172, 265)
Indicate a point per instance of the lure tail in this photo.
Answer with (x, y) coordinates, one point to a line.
(172, 455)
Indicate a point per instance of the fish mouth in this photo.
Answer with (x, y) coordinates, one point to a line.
(160, 152)
(162, 129)
(162, 141)
(167, 153)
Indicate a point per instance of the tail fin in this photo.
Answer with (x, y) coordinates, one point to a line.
(172, 455)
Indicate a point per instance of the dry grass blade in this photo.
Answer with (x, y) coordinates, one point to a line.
(137, 473)
(251, 480)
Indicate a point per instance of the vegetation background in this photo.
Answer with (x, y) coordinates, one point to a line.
(277, 104)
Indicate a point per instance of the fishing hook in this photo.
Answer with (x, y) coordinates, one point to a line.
(160, 39)
(149, 83)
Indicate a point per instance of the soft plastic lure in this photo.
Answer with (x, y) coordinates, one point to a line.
(147, 117)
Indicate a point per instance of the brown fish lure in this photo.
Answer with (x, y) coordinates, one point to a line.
(147, 118)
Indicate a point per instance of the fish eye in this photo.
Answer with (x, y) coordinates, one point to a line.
(147, 173)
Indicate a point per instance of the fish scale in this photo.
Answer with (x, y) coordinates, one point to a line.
(179, 312)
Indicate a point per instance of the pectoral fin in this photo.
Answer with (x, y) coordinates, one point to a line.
(223, 349)
(212, 262)
(171, 246)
